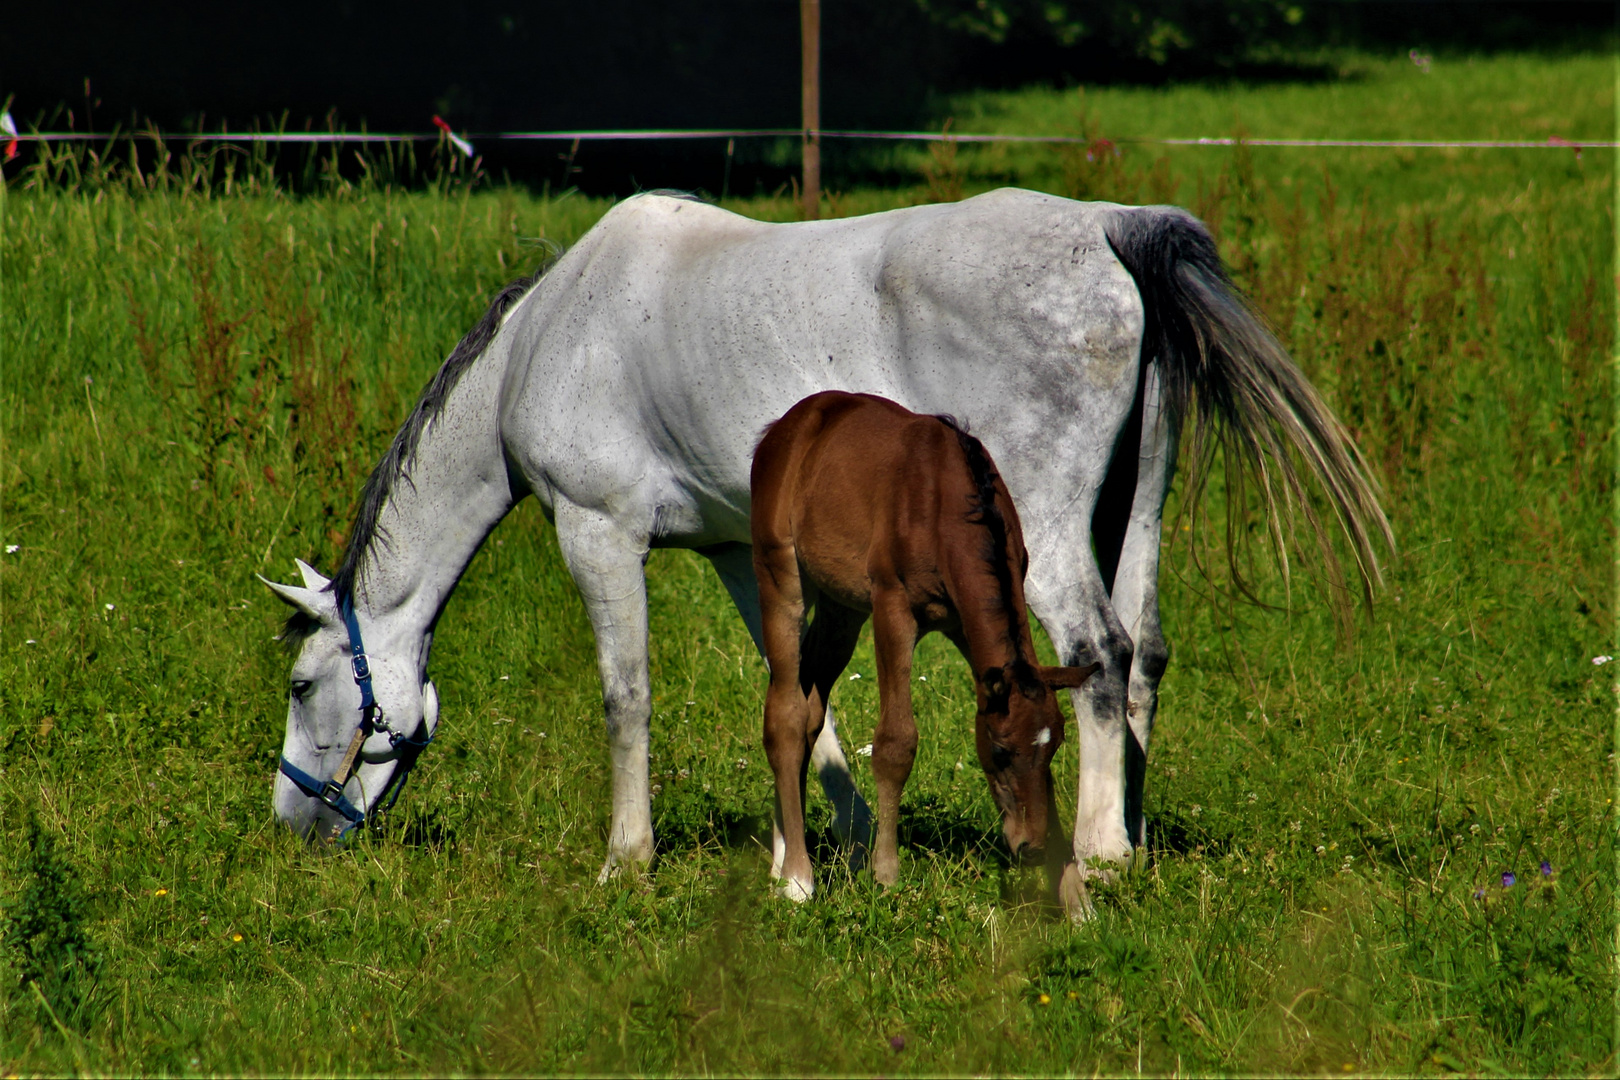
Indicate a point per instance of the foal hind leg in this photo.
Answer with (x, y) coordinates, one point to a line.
(852, 819)
(607, 564)
(782, 612)
(828, 644)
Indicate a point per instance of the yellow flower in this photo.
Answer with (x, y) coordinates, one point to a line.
(1073, 996)
(161, 892)
(236, 937)
(1045, 999)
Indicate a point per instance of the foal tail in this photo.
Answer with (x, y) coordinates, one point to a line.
(1215, 352)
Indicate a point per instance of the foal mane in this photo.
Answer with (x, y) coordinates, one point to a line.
(396, 463)
(985, 512)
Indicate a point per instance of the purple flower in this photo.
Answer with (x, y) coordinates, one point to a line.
(897, 1043)
(1479, 893)
(1508, 878)
(1546, 868)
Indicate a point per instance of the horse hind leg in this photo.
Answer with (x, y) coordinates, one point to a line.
(1135, 594)
(852, 818)
(608, 566)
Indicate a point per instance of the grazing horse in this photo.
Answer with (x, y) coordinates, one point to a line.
(624, 390)
(864, 508)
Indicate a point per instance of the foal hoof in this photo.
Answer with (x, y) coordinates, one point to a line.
(1074, 895)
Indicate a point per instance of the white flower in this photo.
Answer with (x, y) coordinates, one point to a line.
(30, 641)
(12, 549)
(109, 607)
(505, 678)
(855, 676)
(1597, 661)
(865, 751)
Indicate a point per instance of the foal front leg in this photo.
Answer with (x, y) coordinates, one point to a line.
(894, 745)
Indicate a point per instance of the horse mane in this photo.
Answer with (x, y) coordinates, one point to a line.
(985, 512)
(396, 463)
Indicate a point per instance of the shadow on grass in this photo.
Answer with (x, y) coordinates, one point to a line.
(1173, 834)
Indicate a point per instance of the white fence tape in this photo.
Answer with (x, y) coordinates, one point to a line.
(1552, 142)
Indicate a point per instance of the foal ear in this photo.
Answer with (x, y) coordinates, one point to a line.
(995, 683)
(317, 605)
(1068, 678)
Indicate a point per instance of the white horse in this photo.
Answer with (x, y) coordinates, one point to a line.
(625, 389)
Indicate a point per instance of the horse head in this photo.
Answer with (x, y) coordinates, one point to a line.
(340, 760)
(1018, 729)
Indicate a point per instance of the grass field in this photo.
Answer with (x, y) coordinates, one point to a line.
(195, 383)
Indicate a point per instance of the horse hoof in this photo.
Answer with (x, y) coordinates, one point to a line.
(796, 891)
(616, 870)
(1076, 898)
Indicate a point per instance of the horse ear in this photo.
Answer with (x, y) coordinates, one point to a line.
(312, 602)
(312, 577)
(1068, 678)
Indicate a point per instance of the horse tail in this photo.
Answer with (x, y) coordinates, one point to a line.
(1218, 360)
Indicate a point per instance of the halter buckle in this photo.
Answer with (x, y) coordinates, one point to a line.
(362, 670)
(331, 792)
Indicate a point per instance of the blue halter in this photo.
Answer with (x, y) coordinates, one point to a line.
(371, 721)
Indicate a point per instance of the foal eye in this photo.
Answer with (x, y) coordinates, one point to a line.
(300, 687)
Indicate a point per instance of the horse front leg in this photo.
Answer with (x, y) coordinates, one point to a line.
(608, 565)
(852, 818)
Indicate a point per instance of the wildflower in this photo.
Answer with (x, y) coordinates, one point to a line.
(109, 607)
(865, 751)
(855, 676)
(897, 1043)
(1045, 999)
(1508, 879)
(1479, 893)
(161, 892)
(1546, 868)
(1597, 661)
(506, 678)
(12, 549)
(1073, 996)
(30, 641)
(236, 937)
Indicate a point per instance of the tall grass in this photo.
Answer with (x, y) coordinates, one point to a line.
(197, 377)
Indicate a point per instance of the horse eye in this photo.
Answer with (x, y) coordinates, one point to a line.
(300, 687)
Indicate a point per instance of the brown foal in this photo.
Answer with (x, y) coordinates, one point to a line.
(860, 506)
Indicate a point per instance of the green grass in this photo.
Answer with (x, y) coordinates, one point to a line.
(194, 387)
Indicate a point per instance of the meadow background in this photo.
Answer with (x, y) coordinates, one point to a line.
(199, 368)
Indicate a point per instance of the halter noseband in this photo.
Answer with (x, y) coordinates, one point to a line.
(371, 721)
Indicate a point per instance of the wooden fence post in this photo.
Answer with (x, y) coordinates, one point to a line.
(810, 84)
